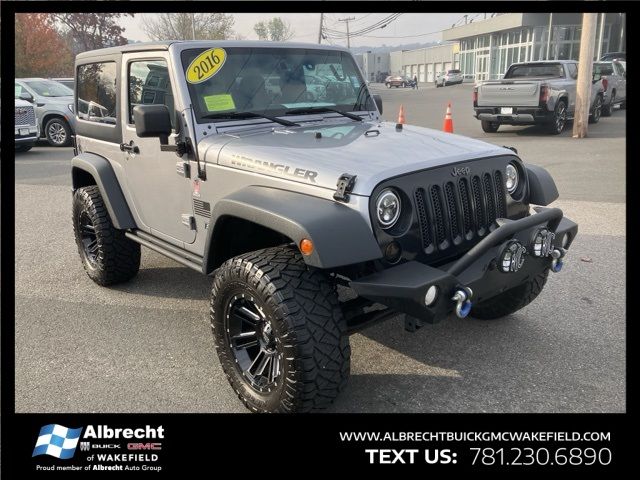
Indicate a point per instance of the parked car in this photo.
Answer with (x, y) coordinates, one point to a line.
(613, 56)
(281, 208)
(448, 77)
(53, 104)
(614, 80)
(397, 81)
(26, 126)
(68, 82)
(534, 93)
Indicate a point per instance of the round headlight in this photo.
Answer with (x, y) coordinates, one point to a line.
(388, 208)
(511, 181)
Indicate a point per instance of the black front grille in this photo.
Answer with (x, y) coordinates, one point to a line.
(459, 209)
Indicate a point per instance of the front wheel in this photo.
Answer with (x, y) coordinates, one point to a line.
(279, 332)
(512, 300)
(489, 127)
(58, 133)
(388, 85)
(596, 111)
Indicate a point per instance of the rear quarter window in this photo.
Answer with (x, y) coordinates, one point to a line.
(96, 100)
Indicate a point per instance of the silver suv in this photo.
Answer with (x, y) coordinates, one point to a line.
(53, 103)
(283, 197)
(449, 77)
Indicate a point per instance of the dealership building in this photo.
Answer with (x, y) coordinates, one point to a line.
(488, 47)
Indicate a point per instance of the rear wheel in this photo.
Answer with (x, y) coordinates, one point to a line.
(607, 110)
(107, 255)
(279, 332)
(489, 127)
(596, 111)
(559, 119)
(512, 300)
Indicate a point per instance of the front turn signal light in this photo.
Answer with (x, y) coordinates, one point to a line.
(306, 246)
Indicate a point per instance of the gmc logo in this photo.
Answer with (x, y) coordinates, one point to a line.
(144, 446)
(457, 171)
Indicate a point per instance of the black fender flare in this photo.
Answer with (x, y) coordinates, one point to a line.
(542, 188)
(105, 178)
(341, 236)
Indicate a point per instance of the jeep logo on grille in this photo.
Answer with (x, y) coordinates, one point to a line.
(458, 171)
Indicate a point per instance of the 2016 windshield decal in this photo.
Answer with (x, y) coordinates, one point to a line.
(279, 168)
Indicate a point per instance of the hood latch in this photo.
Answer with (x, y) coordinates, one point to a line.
(345, 185)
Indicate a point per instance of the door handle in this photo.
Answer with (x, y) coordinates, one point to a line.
(129, 147)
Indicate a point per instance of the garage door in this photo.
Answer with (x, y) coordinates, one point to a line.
(437, 68)
(430, 72)
(447, 66)
(421, 73)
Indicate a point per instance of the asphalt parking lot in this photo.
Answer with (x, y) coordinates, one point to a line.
(145, 346)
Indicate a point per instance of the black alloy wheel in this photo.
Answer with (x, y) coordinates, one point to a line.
(254, 345)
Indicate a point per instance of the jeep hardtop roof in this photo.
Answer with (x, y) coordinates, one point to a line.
(164, 45)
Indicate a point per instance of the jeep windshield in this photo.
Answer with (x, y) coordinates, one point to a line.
(271, 82)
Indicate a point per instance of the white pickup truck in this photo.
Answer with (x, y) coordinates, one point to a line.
(534, 93)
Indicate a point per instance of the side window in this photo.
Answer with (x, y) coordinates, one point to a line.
(149, 84)
(18, 90)
(97, 92)
(573, 70)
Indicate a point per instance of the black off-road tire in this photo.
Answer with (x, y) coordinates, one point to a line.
(607, 110)
(301, 306)
(116, 259)
(512, 300)
(489, 127)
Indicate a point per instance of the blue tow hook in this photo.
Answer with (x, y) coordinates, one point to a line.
(557, 263)
(463, 302)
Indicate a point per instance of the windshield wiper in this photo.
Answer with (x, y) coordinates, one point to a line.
(296, 111)
(245, 115)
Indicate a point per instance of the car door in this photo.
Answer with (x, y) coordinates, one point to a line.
(162, 196)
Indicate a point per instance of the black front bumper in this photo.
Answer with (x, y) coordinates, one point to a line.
(403, 287)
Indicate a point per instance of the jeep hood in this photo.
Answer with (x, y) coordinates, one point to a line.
(318, 154)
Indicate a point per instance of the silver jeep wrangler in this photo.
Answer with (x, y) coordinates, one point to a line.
(227, 158)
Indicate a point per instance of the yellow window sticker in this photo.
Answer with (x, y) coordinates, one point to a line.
(218, 103)
(206, 65)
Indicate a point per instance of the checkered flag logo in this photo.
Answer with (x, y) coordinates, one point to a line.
(57, 441)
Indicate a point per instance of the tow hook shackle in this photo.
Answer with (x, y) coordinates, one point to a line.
(557, 254)
(462, 297)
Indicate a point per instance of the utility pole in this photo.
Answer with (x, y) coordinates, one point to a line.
(585, 67)
(193, 25)
(347, 20)
(320, 31)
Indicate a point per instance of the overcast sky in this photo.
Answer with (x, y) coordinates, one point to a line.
(413, 27)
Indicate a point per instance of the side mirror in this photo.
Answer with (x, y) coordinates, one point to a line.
(26, 96)
(378, 100)
(153, 121)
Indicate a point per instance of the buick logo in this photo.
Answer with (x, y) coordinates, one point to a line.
(458, 171)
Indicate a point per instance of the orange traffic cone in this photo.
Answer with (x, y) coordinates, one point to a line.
(401, 116)
(447, 126)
